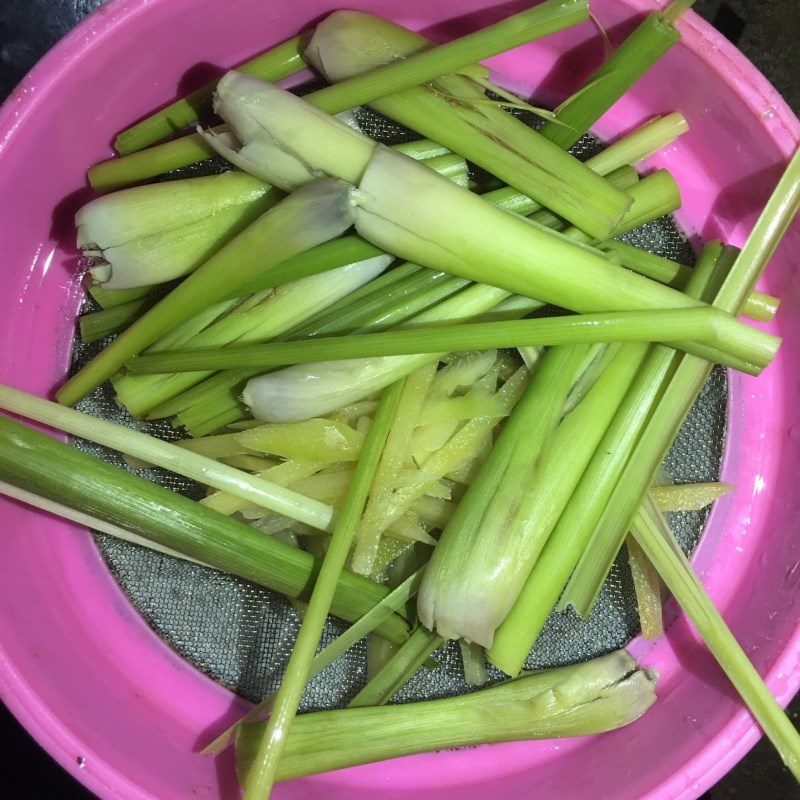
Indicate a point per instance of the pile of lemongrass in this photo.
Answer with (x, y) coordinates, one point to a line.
(387, 429)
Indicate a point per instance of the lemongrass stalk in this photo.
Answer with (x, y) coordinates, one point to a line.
(89, 522)
(250, 463)
(688, 496)
(758, 306)
(454, 111)
(137, 244)
(398, 670)
(473, 660)
(676, 9)
(425, 63)
(60, 473)
(99, 324)
(169, 456)
(701, 324)
(262, 775)
(688, 380)
(110, 298)
(313, 440)
(392, 461)
(314, 215)
(647, 586)
(653, 535)
(289, 305)
(454, 599)
(394, 601)
(654, 37)
(277, 63)
(598, 695)
(591, 482)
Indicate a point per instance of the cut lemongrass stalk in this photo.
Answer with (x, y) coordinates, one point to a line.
(313, 440)
(110, 298)
(251, 463)
(263, 774)
(681, 391)
(595, 696)
(394, 601)
(632, 59)
(99, 324)
(392, 461)
(168, 456)
(307, 218)
(688, 496)
(589, 482)
(653, 535)
(277, 63)
(454, 111)
(647, 586)
(676, 9)
(289, 305)
(759, 306)
(60, 473)
(222, 446)
(449, 232)
(399, 669)
(141, 245)
(473, 660)
(464, 583)
(425, 63)
(88, 521)
(682, 326)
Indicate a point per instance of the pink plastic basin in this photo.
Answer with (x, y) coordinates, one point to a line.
(122, 712)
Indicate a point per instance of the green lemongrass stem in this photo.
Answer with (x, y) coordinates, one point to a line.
(653, 535)
(281, 310)
(423, 65)
(758, 306)
(473, 661)
(392, 461)
(307, 218)
(764, 239)
(62, 474)
(592, 697)
(169, 456)
(89, 522)
(647, 586)
(688, 380)
(633, 58)
(109, 298)
(287, 700)
(399, 669)
(394, 601)
(701, 324)
(590, 482)
(688, 496)
(454, 599)
(454, 111)
(99, 324)
(277, 63)
(676, 9)
(136, 244)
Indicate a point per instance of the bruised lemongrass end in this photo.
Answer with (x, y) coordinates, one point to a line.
(141, 245)
(596, 696)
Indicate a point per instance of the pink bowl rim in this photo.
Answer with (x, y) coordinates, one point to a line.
(731, 66)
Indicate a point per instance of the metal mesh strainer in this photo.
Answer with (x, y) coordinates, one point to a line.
(241, 635)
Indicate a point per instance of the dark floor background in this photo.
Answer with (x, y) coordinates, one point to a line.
(768, 31)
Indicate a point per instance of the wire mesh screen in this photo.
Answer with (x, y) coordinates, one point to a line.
(241, 635)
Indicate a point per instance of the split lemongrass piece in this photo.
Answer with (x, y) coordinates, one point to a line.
(758, 306)
(688, 496)
(135, 243)
(653, 535)
(464, 584)
(278, 312)
(454, 111)
(309, 217)
(264, 771)
(110, 298)
(394, 601)
(701, 324)
(588, 481)
(599, 695)
(277, 63)
(169, 456)
(633, 58)
(62, 474)
(99, 324)
(647, 586)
